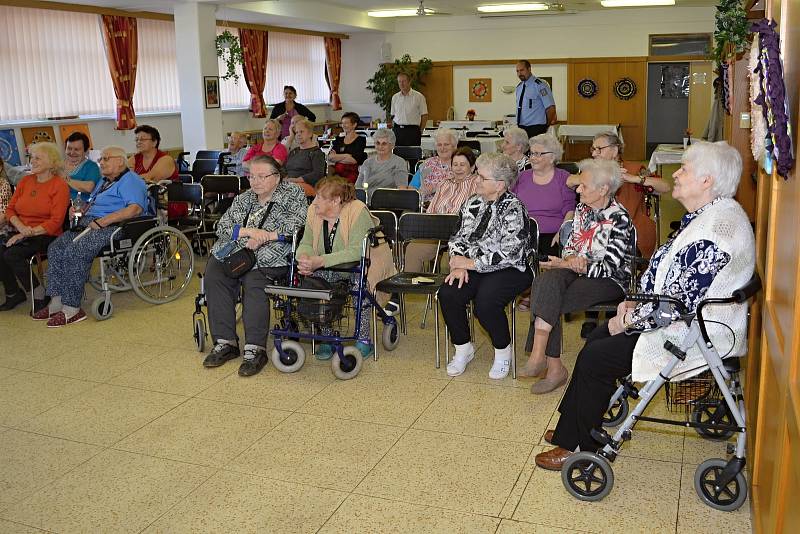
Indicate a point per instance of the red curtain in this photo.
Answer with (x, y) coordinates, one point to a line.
(121, 41)
(333, 66)
(255, 44)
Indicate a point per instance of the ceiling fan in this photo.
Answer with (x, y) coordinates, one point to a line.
(422, 11)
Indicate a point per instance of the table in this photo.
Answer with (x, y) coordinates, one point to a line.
(488, 144)
(665, 154)
(584, 132)
(469, 125)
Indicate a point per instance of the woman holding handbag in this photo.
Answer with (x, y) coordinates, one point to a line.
(256, 222)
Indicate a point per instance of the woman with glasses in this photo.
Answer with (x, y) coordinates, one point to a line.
(257, 218)
(384, 168)
(153, 165)
(488, 264)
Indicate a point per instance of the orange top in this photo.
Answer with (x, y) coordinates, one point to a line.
(632, 197)
(42, 204)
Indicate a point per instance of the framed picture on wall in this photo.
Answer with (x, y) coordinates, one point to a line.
(480, 89)
(212, 91)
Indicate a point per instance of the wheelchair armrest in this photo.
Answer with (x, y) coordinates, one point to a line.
(134, 228)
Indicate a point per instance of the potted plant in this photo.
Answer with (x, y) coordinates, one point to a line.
(229, 49)
(383, 83)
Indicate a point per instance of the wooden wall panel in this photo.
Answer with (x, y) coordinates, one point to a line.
(588, 110)
(438, 91)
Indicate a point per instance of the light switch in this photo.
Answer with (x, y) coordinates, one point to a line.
(744, 120)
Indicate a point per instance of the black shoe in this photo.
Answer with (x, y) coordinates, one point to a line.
(221, 353)
(587, 328)
(39, 304)
(13, 300)
(254, 361)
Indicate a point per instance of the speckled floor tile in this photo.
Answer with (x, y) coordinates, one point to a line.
(652, 485)
(113, 492)
(697, 450)
(203, 432)
(103, 415)
(179, 372)
(25, 395)
(520, 485)
(488, 411)
(319, 451)
(126, 327)
(96, 360)
(695, 517)
(377, 398)
(369, 514)
(23, 351)
(271, 388)
(462, 473)
(8, 527)
(240, 503)
(508, 526)
(31, 461)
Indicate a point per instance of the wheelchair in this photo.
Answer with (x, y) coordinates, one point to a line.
(714, 406)
(144, 255)
(302, 310)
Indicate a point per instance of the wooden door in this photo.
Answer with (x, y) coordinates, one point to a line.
(438, 91)
(701, 95)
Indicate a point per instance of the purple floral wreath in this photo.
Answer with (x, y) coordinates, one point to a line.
(772, 96)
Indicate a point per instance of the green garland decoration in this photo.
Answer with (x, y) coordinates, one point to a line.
(383, 83)
(731, 28)
(229, 49)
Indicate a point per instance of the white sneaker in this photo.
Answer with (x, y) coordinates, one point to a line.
(499, 369)
(459, 363)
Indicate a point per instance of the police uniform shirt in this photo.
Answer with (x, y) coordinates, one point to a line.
(408, 110)
(535, 100)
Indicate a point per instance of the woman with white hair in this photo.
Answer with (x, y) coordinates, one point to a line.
(384, 168)
(515, 145)
(436, 169)
(711, 254)
(593, 269)
(488, 254)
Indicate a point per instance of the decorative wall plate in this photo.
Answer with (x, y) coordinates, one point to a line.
(587, 88)
(625, 88)
(480, 89)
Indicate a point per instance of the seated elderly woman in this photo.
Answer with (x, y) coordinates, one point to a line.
(436, 169)
(272, 207)
(153, 165)
(711, 254)
(516, 145)
(383, 169)
(35, 213)
(347, 152)
(269, 145)
(238, 148)
(336, 226)
(305, 165)
(82, 173)
(594, 269)
(121, 195)
(488, 264)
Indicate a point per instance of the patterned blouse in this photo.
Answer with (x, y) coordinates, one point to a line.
(433, 172)
(493, 233)
(604, 238)
(690, 274)
(5, 196)
(452, 194)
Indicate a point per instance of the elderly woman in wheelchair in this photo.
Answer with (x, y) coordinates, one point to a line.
(120, 196)
(257, 221)
(711, 256)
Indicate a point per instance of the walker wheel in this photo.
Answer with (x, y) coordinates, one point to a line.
(715, 413)
(727, 498)
(391, 336)
(347, 367)
(587, 476)
(200, 334)
(100, 310)
(290, 358)
(616, 413)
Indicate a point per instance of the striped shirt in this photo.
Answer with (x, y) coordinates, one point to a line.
(451, 194)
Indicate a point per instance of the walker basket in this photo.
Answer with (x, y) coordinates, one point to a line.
(324, 312)
(686, 395)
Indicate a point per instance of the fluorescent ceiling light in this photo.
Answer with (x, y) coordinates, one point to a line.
(508, 8)
(396, 13)
(636, 3)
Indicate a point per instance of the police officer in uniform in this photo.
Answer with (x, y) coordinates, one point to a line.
(536, 109)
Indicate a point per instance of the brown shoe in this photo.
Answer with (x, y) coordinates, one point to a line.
(548, 436)
(546, 385)
(553, 459)
(528, 371)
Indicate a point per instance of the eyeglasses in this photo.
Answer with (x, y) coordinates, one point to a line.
(485, 179)
(599, 148)
(142, 139)
(539, 154)
(108, 158)
(254, 177)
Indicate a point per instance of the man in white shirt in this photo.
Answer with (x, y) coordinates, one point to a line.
(409, 113)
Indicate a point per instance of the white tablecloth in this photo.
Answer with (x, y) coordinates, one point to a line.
(665, 154)
(488, 144)
(586, 131)
(469, 125)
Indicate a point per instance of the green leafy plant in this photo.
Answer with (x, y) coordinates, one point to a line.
(731, 29)
(229, 49)
(383, 83)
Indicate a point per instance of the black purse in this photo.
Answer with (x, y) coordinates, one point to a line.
(241, 261)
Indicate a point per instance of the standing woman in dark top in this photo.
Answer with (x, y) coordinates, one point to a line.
(287, 109)
(348, 152)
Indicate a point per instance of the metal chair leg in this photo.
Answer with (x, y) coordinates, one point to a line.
(375, 333)
(428, 301)
(436, 333)
(513, 339)
(403, 323)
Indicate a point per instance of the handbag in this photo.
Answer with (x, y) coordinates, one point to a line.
(240, 261)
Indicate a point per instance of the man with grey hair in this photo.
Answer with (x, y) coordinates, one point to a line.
(383, 169)
(119, 196)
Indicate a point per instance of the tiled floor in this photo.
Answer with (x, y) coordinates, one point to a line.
(117, 427)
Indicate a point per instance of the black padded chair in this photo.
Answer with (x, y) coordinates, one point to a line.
(361, 195)
(208, 154)
(397, 200)
(471, 143)
(388, 220)
(412, 155)
(569, 166)
(202, 167)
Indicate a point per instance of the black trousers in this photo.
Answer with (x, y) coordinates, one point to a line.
(603, 360)
(407, 135)
(535, 129)
(491, 292)
(14, 262)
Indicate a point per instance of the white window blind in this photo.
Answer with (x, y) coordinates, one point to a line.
(157, 71)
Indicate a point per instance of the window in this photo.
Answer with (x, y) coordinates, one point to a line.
(157, 68)
(681, 44)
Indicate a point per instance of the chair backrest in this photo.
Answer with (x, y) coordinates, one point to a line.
(186, 178)
(533, 243)
(201, 167)
(220, 183)
(395, 199)
(569, 166)
(208, 154)
(388, 220)
(409, 153)
(192, 193)
(474, 133)
(361, 195)
(474, 144)
(428, 226)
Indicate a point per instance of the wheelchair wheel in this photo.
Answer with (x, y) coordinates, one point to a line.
(349, 366)
(714, 413)
(200, 334)
(587, 476)
(616, 413)
(160, 265)
(391, 336)
(290, 358)
(100, 310)
(726, 498)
